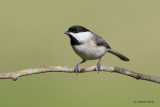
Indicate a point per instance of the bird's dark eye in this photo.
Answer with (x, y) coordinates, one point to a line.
(74, 31)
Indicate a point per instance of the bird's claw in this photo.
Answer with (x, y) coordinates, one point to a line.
(99, 66)
(77, 69)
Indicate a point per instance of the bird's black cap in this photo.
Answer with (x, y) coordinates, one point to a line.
(77, 29)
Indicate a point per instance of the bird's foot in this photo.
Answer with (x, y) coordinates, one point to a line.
(77, 66)
(99, 66)
(76, 69)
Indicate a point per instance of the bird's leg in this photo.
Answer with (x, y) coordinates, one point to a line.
(99, 65)
(78, 65)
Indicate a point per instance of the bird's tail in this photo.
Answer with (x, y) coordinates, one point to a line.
(118, 55)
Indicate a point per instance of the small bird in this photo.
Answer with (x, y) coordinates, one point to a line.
(89, 46)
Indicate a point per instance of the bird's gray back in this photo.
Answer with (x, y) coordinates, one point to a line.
(100, 41)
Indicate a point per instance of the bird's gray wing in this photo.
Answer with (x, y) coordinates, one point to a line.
(100, 41)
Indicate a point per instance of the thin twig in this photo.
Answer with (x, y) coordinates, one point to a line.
(44, 68)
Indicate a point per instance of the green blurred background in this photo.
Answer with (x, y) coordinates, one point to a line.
(31, 34)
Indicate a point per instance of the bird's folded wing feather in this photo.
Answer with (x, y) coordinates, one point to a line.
(100, 41)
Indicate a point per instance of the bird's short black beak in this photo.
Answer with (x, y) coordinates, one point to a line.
(66, 32)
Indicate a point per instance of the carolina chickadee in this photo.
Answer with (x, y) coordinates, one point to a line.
(89, 46)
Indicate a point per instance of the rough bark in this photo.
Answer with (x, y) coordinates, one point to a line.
(44, 68)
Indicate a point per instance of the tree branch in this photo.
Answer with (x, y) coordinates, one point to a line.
(43, 69)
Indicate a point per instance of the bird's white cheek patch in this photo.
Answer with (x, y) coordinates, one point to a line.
(82, 36)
